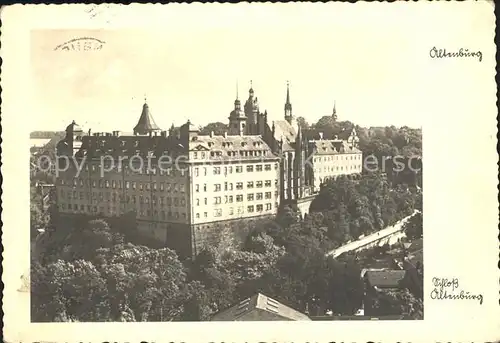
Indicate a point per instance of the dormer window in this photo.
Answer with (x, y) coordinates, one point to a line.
(243, 143)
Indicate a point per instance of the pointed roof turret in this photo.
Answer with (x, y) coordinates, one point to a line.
(334, 113)
(146, 122)
(288, 104)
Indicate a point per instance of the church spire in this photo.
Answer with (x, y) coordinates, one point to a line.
(334, 112)
(288, 104)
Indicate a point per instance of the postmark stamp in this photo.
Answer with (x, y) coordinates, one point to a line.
(81, 44)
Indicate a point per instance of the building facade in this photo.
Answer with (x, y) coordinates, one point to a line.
(187, 190)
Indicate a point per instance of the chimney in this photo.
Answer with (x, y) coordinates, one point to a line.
(321, 135)
(211, 134)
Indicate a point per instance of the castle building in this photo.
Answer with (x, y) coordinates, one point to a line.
(186, 190)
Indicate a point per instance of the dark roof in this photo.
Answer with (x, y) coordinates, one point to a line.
(333, 146)
(259, 302)
(385, 278)
(232, 147)
(146, 122)
(283, 130)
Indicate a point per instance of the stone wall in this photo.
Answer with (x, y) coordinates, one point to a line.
(230, 231)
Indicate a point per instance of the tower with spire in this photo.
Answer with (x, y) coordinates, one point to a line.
(237, 118)
(146, 124)
(334, 112)
(252, 111)
(288, 105)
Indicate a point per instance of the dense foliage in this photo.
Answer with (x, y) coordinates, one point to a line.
(400, 302)
(350, 208)
(94, 276)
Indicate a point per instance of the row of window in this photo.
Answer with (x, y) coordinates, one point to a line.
(152, 170)
(113, 210)
(239, 185)
(168, 187)
(114, 197)
(332, 169)
(239, 210)
(337, 157)
(229, 199)
(233, 153)
(238, 169)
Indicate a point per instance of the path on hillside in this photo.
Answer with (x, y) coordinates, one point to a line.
(390, 230)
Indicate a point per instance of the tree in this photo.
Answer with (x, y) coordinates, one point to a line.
(303, 124)
(218, 128)
(400, 302)
(414, 226)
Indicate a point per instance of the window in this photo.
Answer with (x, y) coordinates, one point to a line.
(268, 195)
(197, 202)
(267, 167)
(269, 207)
(258, 168)
(231, 211)
(195, 156)
(113, 184)
(239, 169)
(162, 201)
(249, 168)
(148, 186)
(162, 186)
(182, 188)
(204, 187)
(154, 186)
(218, 200)
(239, 185)
(268, 183)
(196, 170)
(260, 208)
(204, 168)
(230, 170)
(218, 212)
(133, 185)
(239, 198)
(230, 186)
(217, 187)
(197, 188)
(250, 209)
(225, 186)
(230, 199)
(216, 170)
(258, 196)
(140, 186)
(205, 201)
(250, 184)
(250, 197)
(205, 214)
(259, 184)
(176, 202)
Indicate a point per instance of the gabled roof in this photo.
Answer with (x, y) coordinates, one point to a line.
(385, 278)
(333, 146)
(256, 303)
(283, 130)
(146, 122)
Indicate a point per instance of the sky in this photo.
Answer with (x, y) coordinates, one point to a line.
(372, 64)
